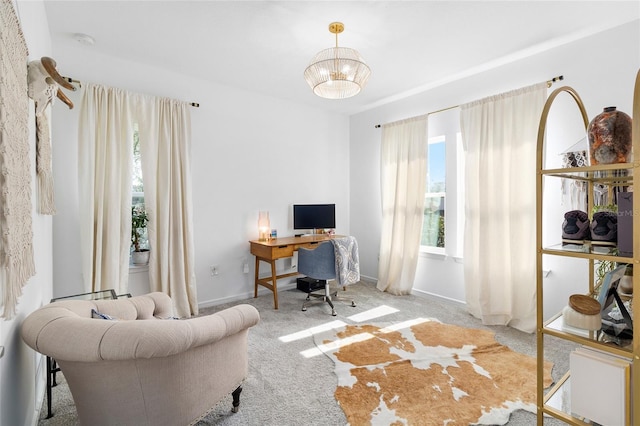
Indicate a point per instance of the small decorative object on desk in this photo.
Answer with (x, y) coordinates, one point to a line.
(264, 225)
(274, 234)
(610, 137)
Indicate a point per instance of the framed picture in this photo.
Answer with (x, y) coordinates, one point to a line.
(610, 285)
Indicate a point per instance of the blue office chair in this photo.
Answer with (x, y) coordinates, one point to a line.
(320, 264)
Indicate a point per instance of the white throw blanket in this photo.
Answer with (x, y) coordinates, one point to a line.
(347, 260)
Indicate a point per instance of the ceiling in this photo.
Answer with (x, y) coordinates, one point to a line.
(264, 46)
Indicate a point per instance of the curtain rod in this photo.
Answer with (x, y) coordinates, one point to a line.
(71, 80)
(549, 83)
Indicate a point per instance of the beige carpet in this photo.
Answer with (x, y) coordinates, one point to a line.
(291, 382)
(423, 372)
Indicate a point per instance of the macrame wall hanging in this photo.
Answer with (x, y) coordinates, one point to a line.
(16, 241)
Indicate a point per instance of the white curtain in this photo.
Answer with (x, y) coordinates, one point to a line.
(499, 136)
(105, 146)
(403, 180)
(165, 145)
(106, 131)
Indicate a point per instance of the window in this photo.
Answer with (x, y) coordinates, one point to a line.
(434, 197)
(443, 222)
(137, 186)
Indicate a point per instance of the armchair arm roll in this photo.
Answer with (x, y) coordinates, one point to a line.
(65, 336)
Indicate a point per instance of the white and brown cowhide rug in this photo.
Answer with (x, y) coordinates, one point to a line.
(429, 373)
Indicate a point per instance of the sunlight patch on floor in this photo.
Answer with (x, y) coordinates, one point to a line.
(378, 312)
(311, 331)
(404, 324)
(320, 349)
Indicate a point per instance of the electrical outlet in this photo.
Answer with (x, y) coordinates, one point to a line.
(245, 268)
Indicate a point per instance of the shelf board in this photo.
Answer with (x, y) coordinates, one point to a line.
(557, 402)
(586, 251)
(557, 328)
(601, 174)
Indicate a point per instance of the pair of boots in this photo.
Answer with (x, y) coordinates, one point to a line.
(602, 230)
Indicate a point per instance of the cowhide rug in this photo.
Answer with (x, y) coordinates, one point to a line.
(428, 373)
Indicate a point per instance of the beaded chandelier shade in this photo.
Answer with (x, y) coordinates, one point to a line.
(337, 72)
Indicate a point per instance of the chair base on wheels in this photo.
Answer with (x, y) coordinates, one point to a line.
(326, 297)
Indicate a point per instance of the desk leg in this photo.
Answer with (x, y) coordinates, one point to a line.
(274, 282)
(273, 285)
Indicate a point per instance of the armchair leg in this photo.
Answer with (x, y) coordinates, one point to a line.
(236, 399)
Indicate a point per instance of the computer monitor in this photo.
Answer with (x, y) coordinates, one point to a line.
(314, 216)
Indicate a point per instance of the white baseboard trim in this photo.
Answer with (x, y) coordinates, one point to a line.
(40, 389)
(282, 286)
(426, 294)
(263, 292)
(246, 295)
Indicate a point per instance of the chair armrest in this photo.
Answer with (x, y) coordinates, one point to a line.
(72, 338)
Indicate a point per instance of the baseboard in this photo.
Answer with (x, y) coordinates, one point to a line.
(40, 390)
(246, 295)
(292, 284)
(428, 295)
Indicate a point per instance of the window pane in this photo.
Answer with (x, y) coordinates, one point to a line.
(136, 176)
(436, 167)
(434, 201)
(433, 223)
(137, 187)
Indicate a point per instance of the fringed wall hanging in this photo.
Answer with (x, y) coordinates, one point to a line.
(44, 84)
(16, 241)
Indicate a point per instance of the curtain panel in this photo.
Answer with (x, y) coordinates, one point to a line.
(165, 151)
(403, 179)
(105, 139)
(499, 136)
(105, 146)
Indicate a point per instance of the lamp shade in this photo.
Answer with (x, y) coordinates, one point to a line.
(264, 225)
(337, 72)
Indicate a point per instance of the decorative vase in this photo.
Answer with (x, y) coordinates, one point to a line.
(609, 137)
(140, 257)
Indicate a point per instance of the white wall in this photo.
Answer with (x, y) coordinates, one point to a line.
(602, 68)
(22, 369)
(249, 153)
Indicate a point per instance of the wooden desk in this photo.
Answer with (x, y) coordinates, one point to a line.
(278, 248)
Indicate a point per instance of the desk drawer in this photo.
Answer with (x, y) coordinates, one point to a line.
(309, 246)
(278, 252)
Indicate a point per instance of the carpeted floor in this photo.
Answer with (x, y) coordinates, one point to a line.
(286, 388)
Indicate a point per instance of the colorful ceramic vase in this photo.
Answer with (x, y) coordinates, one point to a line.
(609, 137)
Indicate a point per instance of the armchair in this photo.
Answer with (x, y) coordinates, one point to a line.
(143, 368)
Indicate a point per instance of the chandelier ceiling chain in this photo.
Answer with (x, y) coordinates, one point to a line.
(337, 72)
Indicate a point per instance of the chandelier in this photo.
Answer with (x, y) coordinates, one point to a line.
(337, 72)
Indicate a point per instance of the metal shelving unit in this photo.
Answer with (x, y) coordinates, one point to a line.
(556, 401)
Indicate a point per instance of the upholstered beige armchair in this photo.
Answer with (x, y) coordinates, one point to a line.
(142, 367)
